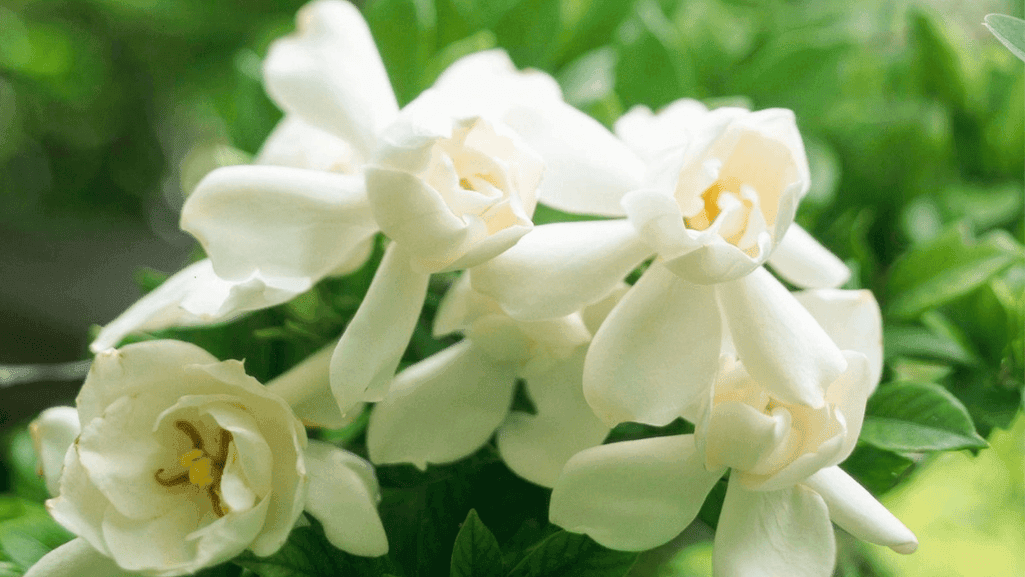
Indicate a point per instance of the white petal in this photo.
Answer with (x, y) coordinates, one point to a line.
(800, 259)
(858, 512)
(849, 394)
(80, 506)
(282, 222)
(656, 354)
(76, 558)
(773, 533)
(649, 134)
(441, 409)
(460, 307)
(372, 345)
(852, 319)
(633, 495)
(307, 388)
(295, 143)
(778, 341)
(558, 269)
(195, 295)
(489, 80)
(53, 431)
(739, 435)
(343, 496)
(415, 215)
(330, 74)
(536, 447)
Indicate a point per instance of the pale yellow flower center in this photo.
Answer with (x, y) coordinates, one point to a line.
(201, 469)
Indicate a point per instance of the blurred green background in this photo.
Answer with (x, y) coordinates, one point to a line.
(912, 113)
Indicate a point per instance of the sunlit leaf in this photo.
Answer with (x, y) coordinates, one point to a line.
(918, 417)
(1010, 31)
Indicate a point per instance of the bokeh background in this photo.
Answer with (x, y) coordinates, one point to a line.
(912, 113)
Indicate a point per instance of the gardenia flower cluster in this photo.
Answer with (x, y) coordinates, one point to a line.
(174, 461)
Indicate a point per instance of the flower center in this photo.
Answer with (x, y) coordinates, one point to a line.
(202, 469)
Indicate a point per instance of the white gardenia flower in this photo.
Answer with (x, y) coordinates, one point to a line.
(719, 197)
(784, 484)
(183, 462)
(448, 405)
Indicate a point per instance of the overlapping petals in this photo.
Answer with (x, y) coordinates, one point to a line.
(448, 405)
(183, 462)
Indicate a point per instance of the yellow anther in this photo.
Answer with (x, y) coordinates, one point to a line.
(187, 458)
(200, 472)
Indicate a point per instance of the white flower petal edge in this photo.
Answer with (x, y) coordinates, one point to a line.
(800, 259)
(372, 345)
(343, 495)
(52, 432)
(633, 495)
(330, 74)
(770, 533)
(279, 221)
(852, 320)
(307, 388)
(559, 268)
(779, 342)
(195, 295)
(656, 354)
(296, 143)
(76, 558)
(441, 409)
(859, 513)
(536, 447)
(587, 169)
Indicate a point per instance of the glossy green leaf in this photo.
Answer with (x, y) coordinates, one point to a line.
(876, 469)
(918, 417)
(949, 266)
(566, 554)
(476, 552)
(307, 553)
(920, 342)
(1010, 31)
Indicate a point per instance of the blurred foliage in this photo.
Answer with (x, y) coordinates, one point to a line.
(912, 117)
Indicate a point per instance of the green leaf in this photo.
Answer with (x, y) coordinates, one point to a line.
(569, 555)
(918, 417)
(1010, 31)
(24, 539)
(922, 343)
(654, 66)
(404, 31)
(875, 469)
(307, 553)
(21, 461)
(476, 552)
(947, 267)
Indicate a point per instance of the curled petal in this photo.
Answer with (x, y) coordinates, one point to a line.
(858, 512)
(371, 347)
(558, 269)
(771, 533)
(53, 431)
(778, 341)
(852, 319)
(76, 558)
(282, 222)
(330, 74)
(343, 495)
(656, 354)
(295, 143)
(537, 446)
(195, 295)
(633, 495)
(800, 259)
(849, 394)
(441, 409)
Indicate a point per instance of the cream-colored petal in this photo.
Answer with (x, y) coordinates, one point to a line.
(558, 269)
(330, 74)
(76, 558)
(852, 319)
(441, 409)
(848, 394)
(633, 495)
(773, 533)
(738, 435)
(656, 354)
(800, 259)
(53, 432)
(343, 496)
(536, 447)
(278, 221)
(372, 345)
(307, 388)
(858, 512)
(80, 506)
(295, 143)
(779, 342)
